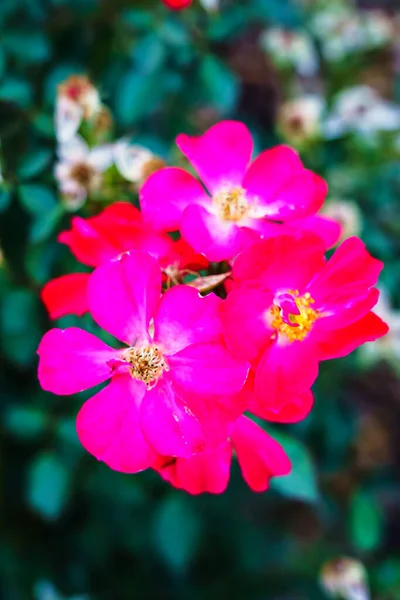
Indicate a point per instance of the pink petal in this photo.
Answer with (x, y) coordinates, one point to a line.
(221, 155)
(301, 195)
(340, 342)
(66, 295)
(108, 426)
(168, 424)
(218, 240)
(185, 317)
(243, 317)
(285, 371)
(326, 228)
(292, 409)
(123, 295)
(165, 195)
(73, 360)
(206, 471)
(259, 456)
(281, 263)
(207, 368)
(270, 170)
(352, 265)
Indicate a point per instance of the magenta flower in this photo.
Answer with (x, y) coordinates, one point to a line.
(174, 359)
(260, 458)
(246, 199)
(290, 308)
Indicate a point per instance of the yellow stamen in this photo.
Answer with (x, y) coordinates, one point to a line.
(147, 364)
(231, 204)
(302, 323)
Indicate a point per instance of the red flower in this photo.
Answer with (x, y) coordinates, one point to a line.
(177, 4)
(95, 240)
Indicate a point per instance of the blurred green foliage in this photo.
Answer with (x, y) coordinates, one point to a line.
(70, 527)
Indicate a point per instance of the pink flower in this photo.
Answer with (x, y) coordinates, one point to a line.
(245, 199)
(260, 458)
(177, 4)
(290, 309)
(174, 357)
(93, 241)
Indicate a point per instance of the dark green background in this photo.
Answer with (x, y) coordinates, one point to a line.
(70, 522)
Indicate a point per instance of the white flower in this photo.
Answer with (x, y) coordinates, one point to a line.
(291, 49)
(79, 170)
(347, 213)
(362, 110)
(300, 119)
(77, 99)
(130, 159)
(387, 347)
(210, 5)
(345, 578)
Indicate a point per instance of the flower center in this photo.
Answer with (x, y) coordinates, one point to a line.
(292, 315)
(147, 364)
(84, 174)
(231, 204)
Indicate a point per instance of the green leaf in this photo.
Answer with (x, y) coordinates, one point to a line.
(17, 91)
(301, 484)
(45, 223)
(20, 332)
(48, 486)
(24, 422)
(5, 196)
(27, 46)
(36, 198)
(366, 524)
(220, 86)
(34, 163)
(176, 532)
(137, 96)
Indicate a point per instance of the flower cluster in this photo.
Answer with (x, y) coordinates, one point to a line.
(90, 164)
(190, 368)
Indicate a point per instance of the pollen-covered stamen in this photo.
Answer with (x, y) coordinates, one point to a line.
(146, 363)
(293, 316)
(231, 204)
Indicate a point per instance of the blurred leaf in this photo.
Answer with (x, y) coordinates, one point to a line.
(176, 531)
(19, 326)
(209, 282)
(220, 85)
(27, 46)
(366, 525)
(137, 95)
(17, 91)
(301, 484)
(34, 163)
(37, 198)
(25, 422)
(5, 196)
(45, 223)
(48, 486)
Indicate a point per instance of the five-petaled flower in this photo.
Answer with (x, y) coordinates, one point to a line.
(246, 201)
(173, 388)
(289, 309)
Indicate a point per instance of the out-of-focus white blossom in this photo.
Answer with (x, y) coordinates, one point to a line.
(386, 348)
(299, 120)
(347, 213)
(135, 162)
(79, 170)
(345, 578)
(291, 49)
(360, 109)
(77, 99)
(210, 5)
(342, 30)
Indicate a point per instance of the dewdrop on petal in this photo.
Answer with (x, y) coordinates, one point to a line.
(345, 578)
